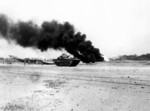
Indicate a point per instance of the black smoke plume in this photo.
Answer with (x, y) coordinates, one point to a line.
(50, 35)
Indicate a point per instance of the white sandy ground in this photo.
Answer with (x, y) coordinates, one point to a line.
(106, 87)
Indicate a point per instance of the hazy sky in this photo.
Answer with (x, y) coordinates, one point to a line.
(116, 27)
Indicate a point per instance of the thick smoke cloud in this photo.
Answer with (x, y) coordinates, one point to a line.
(50, 35)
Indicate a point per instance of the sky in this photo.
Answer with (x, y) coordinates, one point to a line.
(116, 27)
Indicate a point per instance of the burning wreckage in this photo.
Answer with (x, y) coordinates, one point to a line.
(30, 61)
(53, 35)
(63, 60)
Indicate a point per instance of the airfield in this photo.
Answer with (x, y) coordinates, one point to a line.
(104, 86)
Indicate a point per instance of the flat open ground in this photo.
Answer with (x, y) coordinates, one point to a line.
(113, 86)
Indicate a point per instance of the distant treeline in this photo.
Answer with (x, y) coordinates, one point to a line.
(135, 57)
